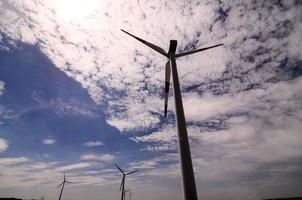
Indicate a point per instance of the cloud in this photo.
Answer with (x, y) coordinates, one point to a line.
(48, 141)
(162, 140)
(46, 174)
(252, 137)
(74, 166)
(3, 145)
(41, 165)
(156, 162)
(131, 84)
(2, 84)
(2, 109)
(167, 134)
(13, 160)
(93, 143)
(70, 107)
(130, 114)
(95, 157)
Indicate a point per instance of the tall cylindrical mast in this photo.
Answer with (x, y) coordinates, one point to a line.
(188, 180)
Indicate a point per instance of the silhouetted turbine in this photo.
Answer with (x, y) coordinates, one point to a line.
(122, 186)
(189, 186)
(63, 184)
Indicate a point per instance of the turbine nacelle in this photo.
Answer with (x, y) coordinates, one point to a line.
(172, 47)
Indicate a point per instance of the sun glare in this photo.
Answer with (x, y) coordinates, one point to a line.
(75, 10)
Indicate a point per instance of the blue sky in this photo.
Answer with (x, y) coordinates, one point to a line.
(78, 95)
(41, 102)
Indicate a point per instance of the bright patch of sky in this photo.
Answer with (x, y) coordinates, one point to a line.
(78, 95)
(3, 145)
(48, 141)
(93, 143)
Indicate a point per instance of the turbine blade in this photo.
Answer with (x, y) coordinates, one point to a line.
(60, 184)
(119, 168)
(132, 172)
(152, 46)
(68, 182)
(195, 51)
(167, 86)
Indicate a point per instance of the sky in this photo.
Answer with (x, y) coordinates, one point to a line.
(78, 95)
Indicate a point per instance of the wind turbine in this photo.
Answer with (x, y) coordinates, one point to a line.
(188, 181)
(63, 184)
(122, 187)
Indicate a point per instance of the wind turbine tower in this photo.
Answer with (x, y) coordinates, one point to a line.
(63, 184)
(122, 187)
(188, 180)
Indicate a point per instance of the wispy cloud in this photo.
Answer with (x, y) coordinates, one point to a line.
(41, 165)
(62, 107)
(156, 162)
(95, 157)
(1, 87)
(93, 143)
(48, 141)
(164, 139)
(3, 145)
(25, 173)
(74, 166)
(13, 160)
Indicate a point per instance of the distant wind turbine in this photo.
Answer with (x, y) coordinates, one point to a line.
(122, 187)
(63, 184)
(188, 181)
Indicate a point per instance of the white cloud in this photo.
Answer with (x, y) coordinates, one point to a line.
(48, 141)
(93, 143)
(46, 174)
(80, 46)
(77, 12)
(198, 108)
(74, 166)
(62, 108)
(41, 165)
(134, 115)
(24, 180)
(261, 138)
(154, 163)
(3, 145)
(95, 157)
(2, 84)
(12, 161)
